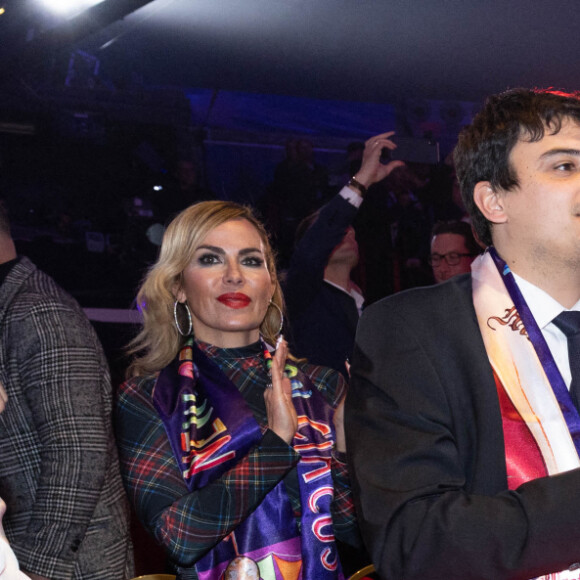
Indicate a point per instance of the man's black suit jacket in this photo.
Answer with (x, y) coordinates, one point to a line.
(322, 318)
(426, 451)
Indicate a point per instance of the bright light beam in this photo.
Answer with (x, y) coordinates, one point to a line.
(69, 8)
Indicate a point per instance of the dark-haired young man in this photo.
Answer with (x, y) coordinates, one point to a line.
(67, 515)
(462, 427)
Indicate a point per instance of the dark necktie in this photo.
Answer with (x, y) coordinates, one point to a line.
(569, 323)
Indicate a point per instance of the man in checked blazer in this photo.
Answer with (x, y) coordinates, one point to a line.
(67, 515)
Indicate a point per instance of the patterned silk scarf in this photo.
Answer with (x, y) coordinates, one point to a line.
(541, 425)
(211, 428)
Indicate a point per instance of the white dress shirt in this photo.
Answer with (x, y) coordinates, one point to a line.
(354, 292)
(544, 309)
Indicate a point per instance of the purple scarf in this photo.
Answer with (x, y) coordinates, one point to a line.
(211, 428)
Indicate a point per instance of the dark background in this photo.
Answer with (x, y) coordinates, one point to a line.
(96, 109)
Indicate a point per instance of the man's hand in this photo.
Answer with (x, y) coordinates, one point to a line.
(33, 576)
(372, 170)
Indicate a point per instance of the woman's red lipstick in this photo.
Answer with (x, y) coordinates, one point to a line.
(234, 300)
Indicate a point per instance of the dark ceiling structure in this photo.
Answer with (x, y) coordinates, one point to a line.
(364, 50)
(96, 108)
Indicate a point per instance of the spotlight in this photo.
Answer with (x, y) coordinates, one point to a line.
(69, 8)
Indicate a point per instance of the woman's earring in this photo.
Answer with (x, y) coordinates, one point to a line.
(188, 317)
(281, 316)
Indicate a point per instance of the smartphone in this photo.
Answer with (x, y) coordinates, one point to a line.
(412, 150)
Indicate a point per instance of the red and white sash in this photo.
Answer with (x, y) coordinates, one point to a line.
(536, 433)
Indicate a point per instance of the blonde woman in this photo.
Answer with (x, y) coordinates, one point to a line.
(232, 451)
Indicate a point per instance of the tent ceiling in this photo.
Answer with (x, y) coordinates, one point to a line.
(367, 50)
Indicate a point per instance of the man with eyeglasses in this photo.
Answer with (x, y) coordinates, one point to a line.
(462, 419)
(453, 248)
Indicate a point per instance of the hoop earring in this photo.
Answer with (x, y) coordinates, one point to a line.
(177, 321)
(281, 316)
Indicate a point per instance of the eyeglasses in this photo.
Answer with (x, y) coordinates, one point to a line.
(452, 258)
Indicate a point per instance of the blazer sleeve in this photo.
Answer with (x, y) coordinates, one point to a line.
(419, 513)
(65, 383)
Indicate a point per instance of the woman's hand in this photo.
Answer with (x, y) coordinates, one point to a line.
(282, 417)
(338, 421)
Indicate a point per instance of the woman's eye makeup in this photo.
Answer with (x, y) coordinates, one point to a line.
(208, 259)
(253, 261)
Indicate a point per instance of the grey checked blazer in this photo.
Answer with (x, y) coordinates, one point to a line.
(67, 513)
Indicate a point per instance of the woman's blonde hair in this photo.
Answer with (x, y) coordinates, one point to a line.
(159, 341)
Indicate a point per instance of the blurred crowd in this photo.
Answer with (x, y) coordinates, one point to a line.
(118, 228)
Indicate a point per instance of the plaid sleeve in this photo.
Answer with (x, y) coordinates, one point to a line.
(187, 524)
(343, 512)
(333, 386)
(329, 382)
(62, 371)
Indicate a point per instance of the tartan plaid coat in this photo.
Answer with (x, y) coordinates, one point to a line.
(67, 512)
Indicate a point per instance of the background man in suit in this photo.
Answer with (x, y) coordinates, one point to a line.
(453, 249)
(322, 300)
(67, 515)
(461, 430)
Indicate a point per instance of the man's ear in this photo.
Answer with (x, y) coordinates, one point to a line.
(490, 202)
